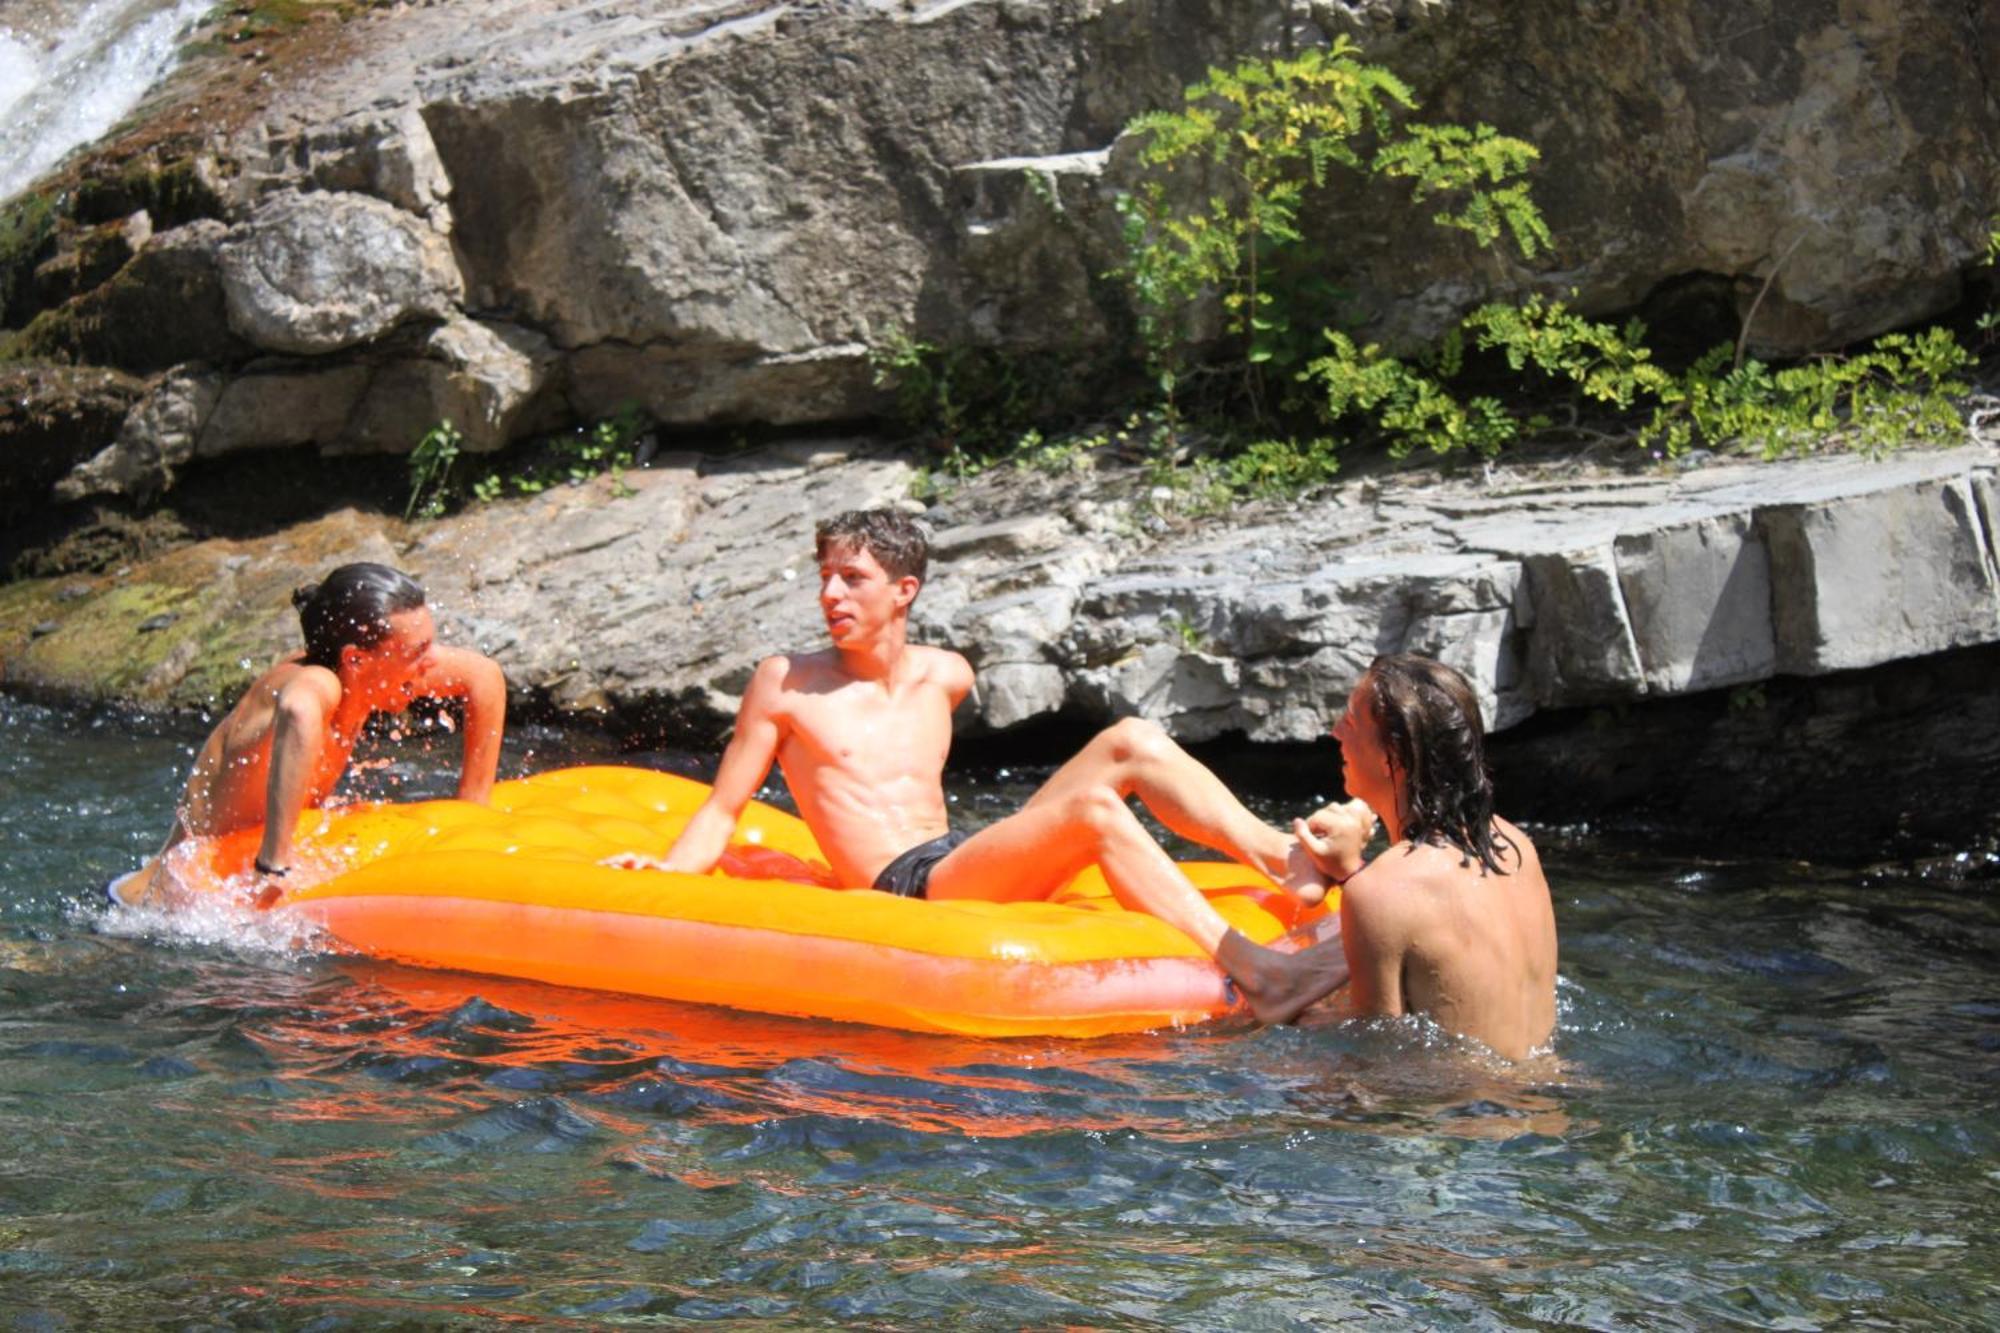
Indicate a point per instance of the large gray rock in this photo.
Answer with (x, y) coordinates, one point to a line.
(1549, 587)
(283, 404)
(1896, 572)
(955, 159)
(313, 273)
(386, 153)
(483, 378)
(716, 209)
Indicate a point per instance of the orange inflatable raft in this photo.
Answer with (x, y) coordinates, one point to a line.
(516, 889)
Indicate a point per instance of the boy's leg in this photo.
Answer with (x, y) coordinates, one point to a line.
(1035, 851)
(1031, 853)
(1137, 758)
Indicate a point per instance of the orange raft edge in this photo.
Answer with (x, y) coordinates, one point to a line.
(519, 889)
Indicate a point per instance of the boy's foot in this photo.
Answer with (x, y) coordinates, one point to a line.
(1280, 986)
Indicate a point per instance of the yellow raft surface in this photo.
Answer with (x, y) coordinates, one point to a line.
(517, 889)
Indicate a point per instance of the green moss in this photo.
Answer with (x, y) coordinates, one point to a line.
(27, 235)
(52, 335)
(101, 641)
(172, 193)
(248, 20)
(85, 639)
(112, 643)
(218, 673)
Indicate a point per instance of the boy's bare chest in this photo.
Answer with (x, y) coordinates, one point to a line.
(869, 728)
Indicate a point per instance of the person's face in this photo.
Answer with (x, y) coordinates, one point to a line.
(858, 597)
(388, 673)
(1364, 760)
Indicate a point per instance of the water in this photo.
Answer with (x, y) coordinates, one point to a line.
(70, 69)
(1775, 1107)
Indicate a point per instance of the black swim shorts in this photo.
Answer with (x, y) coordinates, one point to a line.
(910, 874)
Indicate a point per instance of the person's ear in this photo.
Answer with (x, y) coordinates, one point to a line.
(906, 589)
(350, 657)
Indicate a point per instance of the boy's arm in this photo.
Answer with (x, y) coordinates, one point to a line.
(957, 678)
(460, 673)
(744, 766)
(1374, 935)
(298, 737)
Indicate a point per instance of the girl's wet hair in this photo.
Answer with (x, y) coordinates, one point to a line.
(352, 605)
(1428, 719)
(898, 542)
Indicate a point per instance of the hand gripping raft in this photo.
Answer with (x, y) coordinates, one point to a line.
(517, 889)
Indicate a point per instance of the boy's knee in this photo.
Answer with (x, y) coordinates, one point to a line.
(1136, 739)
(1098, 813)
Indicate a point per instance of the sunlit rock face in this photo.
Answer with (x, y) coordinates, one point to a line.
(1550, 587)
(715, 210)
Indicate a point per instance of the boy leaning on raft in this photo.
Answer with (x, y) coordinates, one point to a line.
(862, 727)
(1454, 920)
(370, 646)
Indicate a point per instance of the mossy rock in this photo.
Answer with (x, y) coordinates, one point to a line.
(52, 417)
(172, 194)
(157, 644)
(101, 646)
(162, 309)
(27, 239)
(189, 629)
(85, 258)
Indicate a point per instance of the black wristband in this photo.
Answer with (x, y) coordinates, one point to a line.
(262, 869)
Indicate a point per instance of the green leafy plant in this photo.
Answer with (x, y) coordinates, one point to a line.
(604, 447)
(1275, 469)
(1899, 391)
(1413, 409)
(431, 464)
(1183, 632)
(1216, 214)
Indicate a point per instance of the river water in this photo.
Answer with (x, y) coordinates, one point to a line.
(1776, 1103)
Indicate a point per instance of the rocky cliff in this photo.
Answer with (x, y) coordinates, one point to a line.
(520, 212)
(512, 211)
(1563, 592)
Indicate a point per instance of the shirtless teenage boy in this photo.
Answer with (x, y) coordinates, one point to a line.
(861, 730)
(370, 646)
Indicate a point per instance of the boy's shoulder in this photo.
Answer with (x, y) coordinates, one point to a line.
(946, 667)
(929, 655)
(782, 675)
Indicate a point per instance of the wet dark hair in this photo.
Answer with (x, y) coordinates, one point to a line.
(897, 541)
(352, 605)
(1428, 719)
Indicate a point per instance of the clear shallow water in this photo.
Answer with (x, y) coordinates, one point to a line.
(1778, 1105)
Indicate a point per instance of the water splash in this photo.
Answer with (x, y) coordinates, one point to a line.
(69, 71)
(215, 921)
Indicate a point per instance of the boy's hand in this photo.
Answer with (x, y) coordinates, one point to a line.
(1334, 836)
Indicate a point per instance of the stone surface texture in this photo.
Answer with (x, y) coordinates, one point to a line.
(1076, 598)
(312, 273)
(715, 208)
